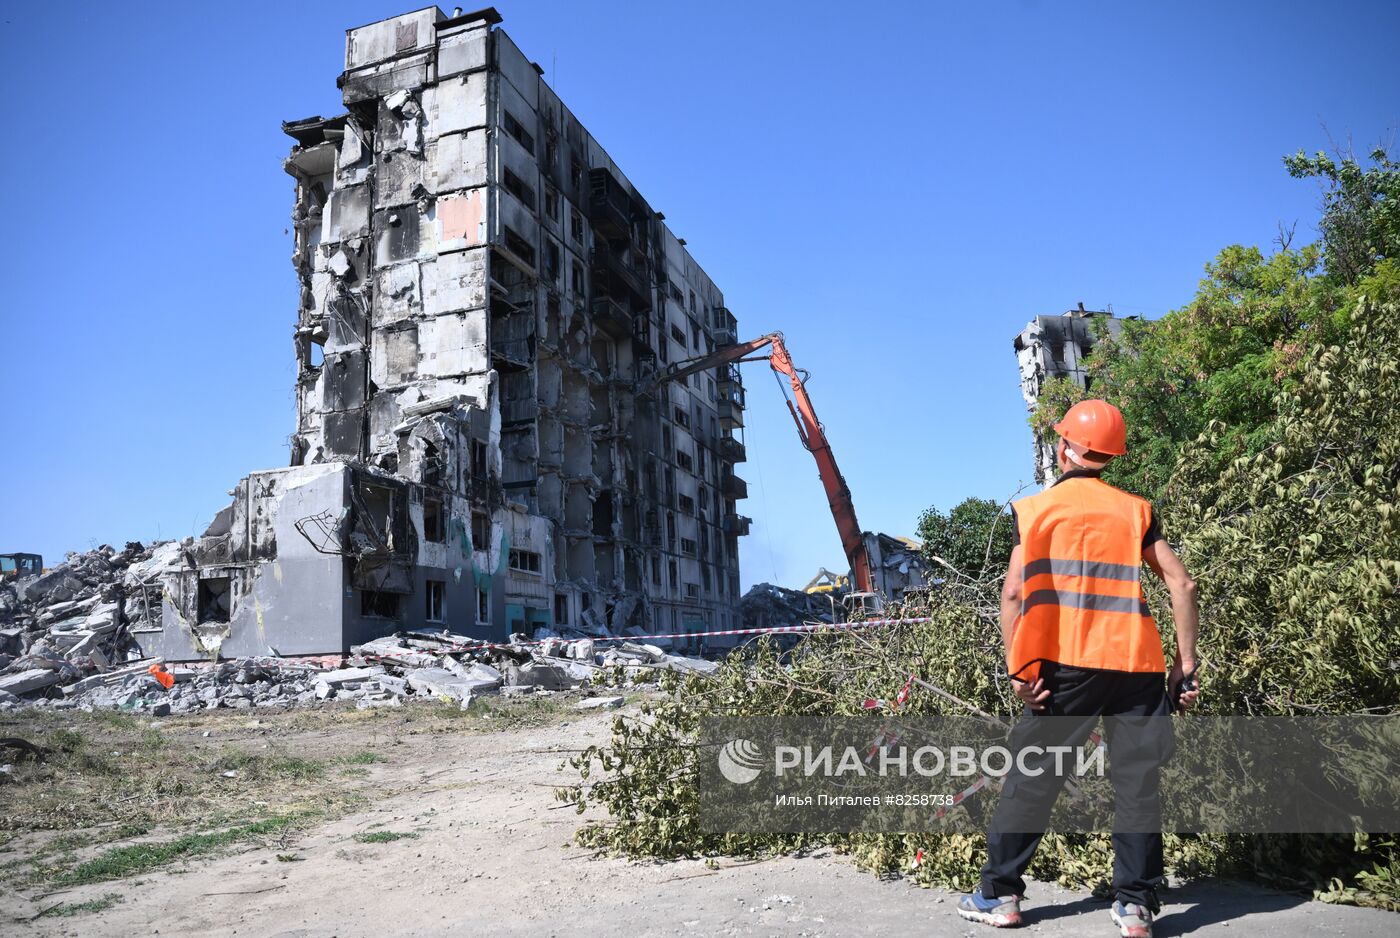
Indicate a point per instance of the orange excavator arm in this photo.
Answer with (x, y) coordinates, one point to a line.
(811, 432)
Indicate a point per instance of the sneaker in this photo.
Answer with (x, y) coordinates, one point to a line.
(1133, 920)
(1003, 912)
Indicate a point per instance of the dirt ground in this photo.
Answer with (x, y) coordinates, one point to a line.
(418, 821)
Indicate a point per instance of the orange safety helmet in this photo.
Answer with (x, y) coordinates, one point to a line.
(1094, 426)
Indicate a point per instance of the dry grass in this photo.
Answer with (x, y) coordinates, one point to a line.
(69, 909)
(120, 794)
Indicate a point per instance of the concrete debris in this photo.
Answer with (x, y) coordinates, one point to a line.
(108, 678)
(902, 569)
(599, 703)
(698, 665)
(25, 682)
(76, 620)
(343, 676)
(766, 605)
(440, 682)
(383, 672)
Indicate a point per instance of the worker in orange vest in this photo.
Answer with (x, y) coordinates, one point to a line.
(1082, 643)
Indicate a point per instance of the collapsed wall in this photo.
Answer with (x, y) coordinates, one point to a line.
(483, 296)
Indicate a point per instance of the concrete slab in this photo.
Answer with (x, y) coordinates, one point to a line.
(26, 682)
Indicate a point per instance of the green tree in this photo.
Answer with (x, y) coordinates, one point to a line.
(1360, 210)
(974, 539)
(1221, 358)
(1297, 546)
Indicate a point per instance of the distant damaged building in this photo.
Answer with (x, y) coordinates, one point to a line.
(1057, 347)
(483, 296)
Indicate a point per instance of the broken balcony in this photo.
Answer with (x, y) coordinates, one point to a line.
(731, 486)
(518, 411)
(512, 341)
(736, 525)
(609, 205)
(731, 414)
(731, 450)
(615, 277)
(311, 131)
(726, 329)
(611, 317)
(513, 353)
(641, 338)
(727, 382)
(519, 403)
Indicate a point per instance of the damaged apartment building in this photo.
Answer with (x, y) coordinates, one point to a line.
(1058, 347)
(484, 298)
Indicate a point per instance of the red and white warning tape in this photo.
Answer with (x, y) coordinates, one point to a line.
(886, 738)
(771, 630)
(958, 799)
(986, 780)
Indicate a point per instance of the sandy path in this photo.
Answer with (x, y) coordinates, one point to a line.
(491, 857)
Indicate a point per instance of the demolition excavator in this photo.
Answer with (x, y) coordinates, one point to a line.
(866, 596)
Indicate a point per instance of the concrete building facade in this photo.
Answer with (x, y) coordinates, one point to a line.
(1057, 347)
(478, 446)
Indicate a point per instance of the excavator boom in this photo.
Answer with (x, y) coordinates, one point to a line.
(722, 356)
(811, 432)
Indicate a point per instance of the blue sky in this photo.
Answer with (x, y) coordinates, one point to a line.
(898, 187)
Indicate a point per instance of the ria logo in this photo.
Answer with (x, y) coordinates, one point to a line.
(740, 761)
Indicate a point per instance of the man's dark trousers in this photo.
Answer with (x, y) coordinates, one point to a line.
(1136, 751)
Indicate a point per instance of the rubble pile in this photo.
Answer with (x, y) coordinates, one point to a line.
(766, 605)
(66, 641)
(381, 673)
(75, 620)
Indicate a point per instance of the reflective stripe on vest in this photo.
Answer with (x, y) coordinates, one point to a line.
(1082, 602)
(1086, 601)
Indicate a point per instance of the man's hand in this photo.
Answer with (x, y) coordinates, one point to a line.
(1032, 692)
(1180, 668)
